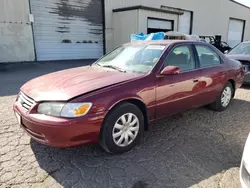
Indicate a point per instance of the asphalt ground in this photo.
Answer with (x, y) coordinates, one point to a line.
(197, 148)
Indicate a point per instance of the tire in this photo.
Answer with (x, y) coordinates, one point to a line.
(219, 105)
(109, 130)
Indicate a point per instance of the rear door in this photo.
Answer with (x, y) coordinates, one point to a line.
(213, 73)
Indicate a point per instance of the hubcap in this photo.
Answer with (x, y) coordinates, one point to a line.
(125, 130)
(226, 96)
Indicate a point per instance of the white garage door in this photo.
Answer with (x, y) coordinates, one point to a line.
(235, 32)
(184, 25)
(67, 29)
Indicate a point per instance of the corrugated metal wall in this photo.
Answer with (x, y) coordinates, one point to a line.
(67, 29)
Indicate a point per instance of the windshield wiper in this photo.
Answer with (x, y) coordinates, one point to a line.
(96, 64)
(114, 67)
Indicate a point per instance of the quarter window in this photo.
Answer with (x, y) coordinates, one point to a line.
(182, 57)
(207, 56)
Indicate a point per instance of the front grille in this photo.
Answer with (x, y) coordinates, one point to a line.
(25, 101)
(245, 175)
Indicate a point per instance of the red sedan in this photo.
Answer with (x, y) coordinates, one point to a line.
(115, 99)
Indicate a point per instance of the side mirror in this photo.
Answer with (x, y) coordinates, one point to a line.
(226, 52)
(170, 70)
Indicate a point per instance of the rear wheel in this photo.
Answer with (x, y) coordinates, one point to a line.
(122, 128)
(223, 101)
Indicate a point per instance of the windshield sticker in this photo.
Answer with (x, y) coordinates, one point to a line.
(155, 47)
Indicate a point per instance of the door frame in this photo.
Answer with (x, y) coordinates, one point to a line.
(244, 27)
(160, 19)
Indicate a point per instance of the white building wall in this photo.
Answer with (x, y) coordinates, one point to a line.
(210, 16)
(125, 23)
(16, 41)
(133, 21)
(238, 11)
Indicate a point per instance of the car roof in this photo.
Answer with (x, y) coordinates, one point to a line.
(162, 42)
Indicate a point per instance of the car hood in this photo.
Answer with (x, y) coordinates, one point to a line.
(239, 57)
(67, 84)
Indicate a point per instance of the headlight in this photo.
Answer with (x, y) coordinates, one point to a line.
(75, 109)
(69, 110)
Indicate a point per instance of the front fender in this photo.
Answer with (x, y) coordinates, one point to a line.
(124, 98)
(104, 100)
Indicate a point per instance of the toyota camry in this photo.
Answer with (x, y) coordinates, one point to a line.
(114, 100)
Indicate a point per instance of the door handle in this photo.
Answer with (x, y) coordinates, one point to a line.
(196, 80)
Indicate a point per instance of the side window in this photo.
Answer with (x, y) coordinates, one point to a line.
(207, 56)
(182, 57)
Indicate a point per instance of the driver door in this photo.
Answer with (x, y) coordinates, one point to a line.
(175, 93)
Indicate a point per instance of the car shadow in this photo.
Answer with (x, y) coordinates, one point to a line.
(246, 86)
(14, 75)
(179, 151)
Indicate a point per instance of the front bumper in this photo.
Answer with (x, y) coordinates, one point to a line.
(245, 166)
(61, 132)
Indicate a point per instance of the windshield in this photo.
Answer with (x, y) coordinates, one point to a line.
(138, 59)
(243, 48)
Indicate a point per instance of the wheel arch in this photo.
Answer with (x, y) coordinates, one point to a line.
(233, 84)
(137, 102)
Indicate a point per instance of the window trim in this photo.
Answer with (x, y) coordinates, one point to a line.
(198, 59)
(189, 45)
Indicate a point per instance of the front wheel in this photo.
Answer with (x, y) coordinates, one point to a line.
(223, 101)
(122, 128)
